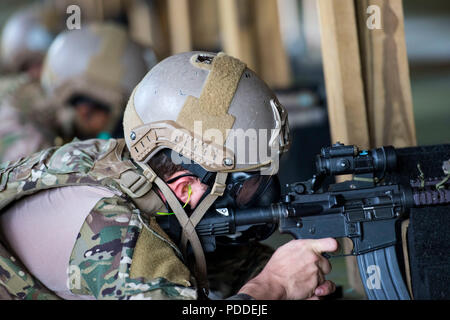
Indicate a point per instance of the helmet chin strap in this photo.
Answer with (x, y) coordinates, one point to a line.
(188, 224)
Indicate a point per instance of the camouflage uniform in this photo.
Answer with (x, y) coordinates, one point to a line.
(120, 251)
(26, 121)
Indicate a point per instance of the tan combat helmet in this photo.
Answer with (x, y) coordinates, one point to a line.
(213, 110)
(98, 61)
(27, 35)
(200, 105)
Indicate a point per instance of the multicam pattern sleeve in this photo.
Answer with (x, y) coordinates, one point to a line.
(17, 282)
(103, 253)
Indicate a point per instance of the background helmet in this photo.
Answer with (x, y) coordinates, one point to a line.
(27, 35)
(98, 61)
(189, 102)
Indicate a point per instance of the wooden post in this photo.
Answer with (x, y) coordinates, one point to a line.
(345, 91)
(107, 9)
(273, 62)
(386, 73)
(205, 25)
(237, 31)
(250, 31)
(159, 28)
(179, 25)
(342, 70)
(367, 79)
(140, 22)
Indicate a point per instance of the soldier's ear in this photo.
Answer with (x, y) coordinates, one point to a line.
(181, 188)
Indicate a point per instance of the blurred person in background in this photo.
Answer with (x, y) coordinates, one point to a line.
(25, 40)
(87, 76)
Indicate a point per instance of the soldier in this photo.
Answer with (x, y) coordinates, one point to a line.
(96, 202)
(25, 39)
(87, 76)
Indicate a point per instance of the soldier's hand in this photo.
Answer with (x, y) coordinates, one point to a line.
(295, 271)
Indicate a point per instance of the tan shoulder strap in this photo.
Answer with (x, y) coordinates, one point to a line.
(189, 231)
(199, 212)
(188, 224)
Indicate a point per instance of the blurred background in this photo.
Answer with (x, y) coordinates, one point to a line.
(281, 41)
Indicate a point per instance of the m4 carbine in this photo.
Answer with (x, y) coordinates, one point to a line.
(367, 209)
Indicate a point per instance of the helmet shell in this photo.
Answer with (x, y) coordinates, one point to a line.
(27, 35)
(256, 119)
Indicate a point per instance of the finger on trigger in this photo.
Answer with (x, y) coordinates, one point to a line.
(324, 245)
